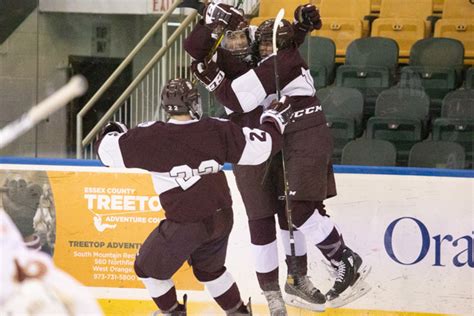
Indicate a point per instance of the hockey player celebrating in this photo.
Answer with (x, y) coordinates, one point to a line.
(186, 157)
(308, 143)
(260, 186)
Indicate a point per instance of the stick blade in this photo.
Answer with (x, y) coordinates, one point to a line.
(276, 24)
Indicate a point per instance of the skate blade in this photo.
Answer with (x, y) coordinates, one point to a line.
(348, 296)
(363, 272)
(357, 290)
(296, 301)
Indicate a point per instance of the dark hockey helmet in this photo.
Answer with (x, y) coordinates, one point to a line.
(179, 96)
(264, 36)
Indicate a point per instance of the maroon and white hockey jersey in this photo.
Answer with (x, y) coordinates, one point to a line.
(186, 160)
(245, 92)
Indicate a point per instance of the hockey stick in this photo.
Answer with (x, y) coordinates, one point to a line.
(292, 262)
(77, 86)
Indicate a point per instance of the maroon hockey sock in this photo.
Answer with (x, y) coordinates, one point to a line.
(230, 300)
(166, 301)
(332, 246)
(268, 281)
(300, 265)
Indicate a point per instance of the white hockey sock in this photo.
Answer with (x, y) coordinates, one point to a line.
(300, 242)
(265, 257)
(317, 228)
(156, 287)
(220, 285)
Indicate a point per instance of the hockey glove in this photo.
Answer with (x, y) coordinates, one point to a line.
(208, 74)
(278, 113)
(307, 18)
(114, 127)
(222, 16)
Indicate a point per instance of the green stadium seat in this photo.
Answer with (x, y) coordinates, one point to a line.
(438, 64)
(343, 109)
(371, 65)
(470, 78)
(369, 152)
(320, 54)
(437, 154)
(456, 123)
(401, 117)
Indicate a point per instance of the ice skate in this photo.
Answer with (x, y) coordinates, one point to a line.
(304, 294)
(179, 310)
(276, 304)
(349, 284)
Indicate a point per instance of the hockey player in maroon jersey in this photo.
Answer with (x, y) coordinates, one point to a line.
(185, 157)
(261, 196)
(308, 144)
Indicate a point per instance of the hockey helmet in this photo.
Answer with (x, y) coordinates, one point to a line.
(264, 36)
(238, 42)
(179, 96)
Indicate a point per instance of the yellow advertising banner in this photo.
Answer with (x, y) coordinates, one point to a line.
(96, 222)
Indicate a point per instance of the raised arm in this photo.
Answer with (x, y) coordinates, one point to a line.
(253, 146)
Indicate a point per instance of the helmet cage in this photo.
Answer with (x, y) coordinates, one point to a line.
(284, 36)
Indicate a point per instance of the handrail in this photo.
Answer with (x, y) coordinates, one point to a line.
(162, 51)
(117, 73)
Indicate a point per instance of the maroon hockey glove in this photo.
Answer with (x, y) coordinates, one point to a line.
(278, 113)
(114, 127)
(307, 18)
(208, 74)
(223, 16)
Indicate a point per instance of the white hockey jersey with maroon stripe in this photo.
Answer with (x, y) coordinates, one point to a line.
(186, 160)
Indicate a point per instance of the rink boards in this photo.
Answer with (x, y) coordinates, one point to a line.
(413, 226)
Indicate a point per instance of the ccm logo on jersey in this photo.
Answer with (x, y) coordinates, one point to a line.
(310, 110)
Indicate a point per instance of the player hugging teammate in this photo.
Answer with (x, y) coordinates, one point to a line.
(242, 76)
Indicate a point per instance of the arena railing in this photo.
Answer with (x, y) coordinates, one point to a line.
(141, 99)
(138, 102)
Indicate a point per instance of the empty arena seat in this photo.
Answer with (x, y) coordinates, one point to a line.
(456, 123)
(405, 21)
(458, 22)
(369, 152)
(470, 78)
(268, 9)
(320, 54)
(438, 63)
(437, 154)
(401, 117)
(454, 9)
(370, 66)
(344, 21)
(343, 108)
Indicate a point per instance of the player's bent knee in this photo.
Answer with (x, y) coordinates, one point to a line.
(262, 231)
(138, 270)
(303, 210)
(206, 276)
